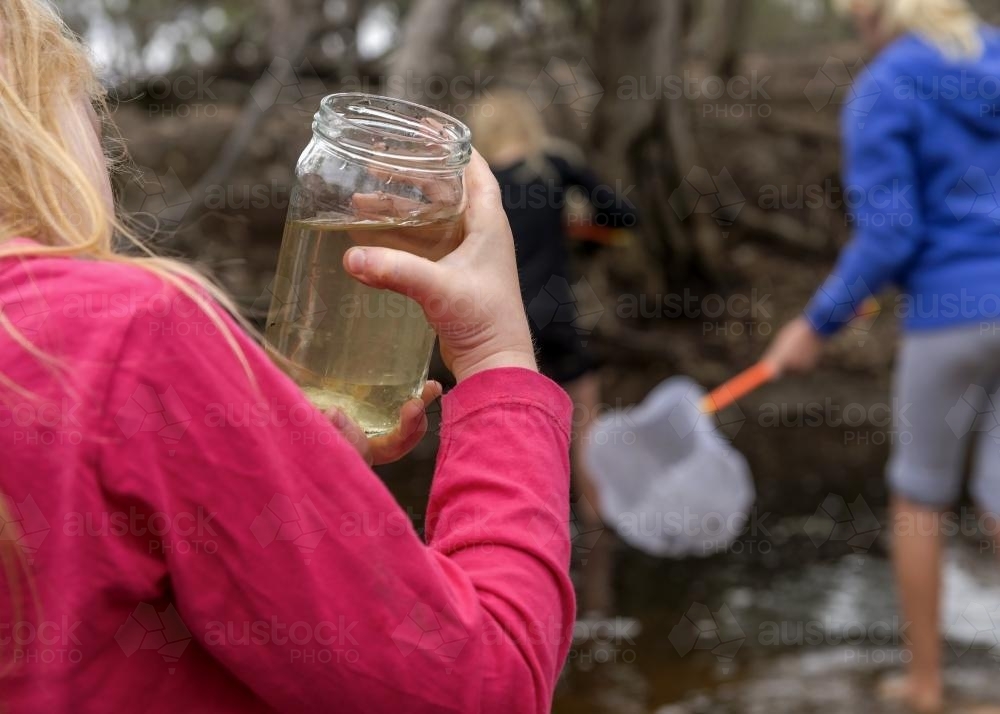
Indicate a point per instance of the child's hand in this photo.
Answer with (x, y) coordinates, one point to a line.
(471, 296)
(391, 447)
(796, 348)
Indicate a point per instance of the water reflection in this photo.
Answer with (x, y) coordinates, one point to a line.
(745, 634)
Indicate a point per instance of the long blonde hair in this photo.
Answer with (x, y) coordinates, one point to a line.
(48, 191)
(509, 121)
(951, 25)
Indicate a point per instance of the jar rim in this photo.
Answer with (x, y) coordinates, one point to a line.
(399, 121)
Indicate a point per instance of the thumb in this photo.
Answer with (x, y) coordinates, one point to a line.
(396, 270)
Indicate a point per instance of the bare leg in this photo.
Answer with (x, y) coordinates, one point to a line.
(595, 595)
(916, 554)
(992, 520)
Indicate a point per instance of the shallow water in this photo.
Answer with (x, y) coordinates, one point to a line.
(779, 625)
(812, 621)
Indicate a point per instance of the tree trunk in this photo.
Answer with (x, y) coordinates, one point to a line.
(292, 29)
(424, 49)
(621, 128)
(704, 233)
(642, 129)
(718, 35)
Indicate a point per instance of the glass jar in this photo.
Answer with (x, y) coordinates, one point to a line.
(378, 172)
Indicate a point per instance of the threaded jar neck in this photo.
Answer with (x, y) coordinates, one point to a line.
(393, 134)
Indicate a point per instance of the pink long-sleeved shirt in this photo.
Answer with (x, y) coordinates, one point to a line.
(198, 546)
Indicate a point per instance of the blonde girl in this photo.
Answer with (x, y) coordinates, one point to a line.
(923, 155)
(164, 553)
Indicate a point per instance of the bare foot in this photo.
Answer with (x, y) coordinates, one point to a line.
(922, 697)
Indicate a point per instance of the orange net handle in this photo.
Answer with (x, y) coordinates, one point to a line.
(737, 387)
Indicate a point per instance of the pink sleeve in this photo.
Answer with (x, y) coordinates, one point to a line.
(291, 563)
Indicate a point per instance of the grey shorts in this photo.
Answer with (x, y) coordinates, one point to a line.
(947, 392)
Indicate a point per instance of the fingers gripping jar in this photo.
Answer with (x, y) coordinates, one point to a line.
(378, 172)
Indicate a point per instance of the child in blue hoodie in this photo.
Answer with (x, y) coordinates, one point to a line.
(921, 131)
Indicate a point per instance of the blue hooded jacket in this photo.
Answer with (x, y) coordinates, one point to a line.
(921, 187)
